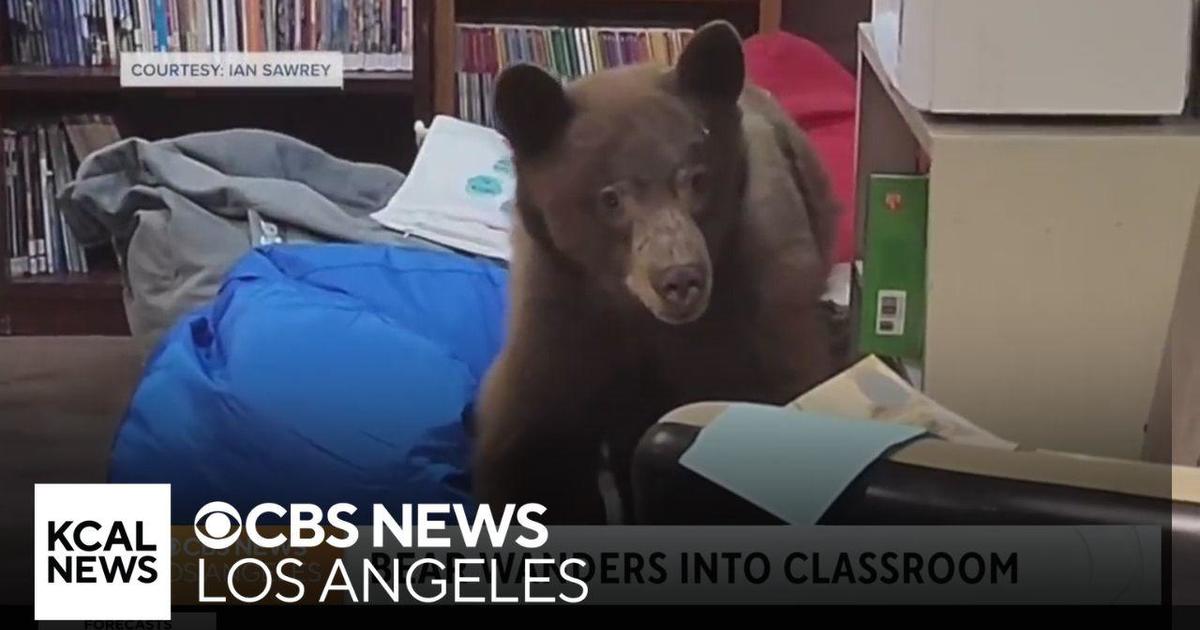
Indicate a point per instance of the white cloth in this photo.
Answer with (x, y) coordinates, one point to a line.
(459, 192)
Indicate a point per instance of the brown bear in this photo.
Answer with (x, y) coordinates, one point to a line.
(672, 244)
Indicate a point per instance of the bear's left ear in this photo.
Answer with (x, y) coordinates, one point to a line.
(711, 65)
(532, 108)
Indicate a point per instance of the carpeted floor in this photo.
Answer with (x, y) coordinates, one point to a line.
(60, 401)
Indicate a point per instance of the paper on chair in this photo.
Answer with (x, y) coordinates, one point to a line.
(871, 390)
(793, 464)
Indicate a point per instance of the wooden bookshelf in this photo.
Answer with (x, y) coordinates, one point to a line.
(370, 120)
(62, 304)
(750, 16)
(18, 79)
(98, 284)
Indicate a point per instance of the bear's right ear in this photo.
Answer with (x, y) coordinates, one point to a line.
(531, 107)
(712, 65)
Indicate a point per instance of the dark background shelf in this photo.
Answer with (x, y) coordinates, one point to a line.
(77, 286)
(370, 120)
(76, 304)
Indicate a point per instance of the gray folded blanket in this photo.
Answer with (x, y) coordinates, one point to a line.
(181, 212)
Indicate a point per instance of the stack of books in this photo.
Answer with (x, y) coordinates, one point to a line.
(566, 52)
(374, 34)
(39, 160)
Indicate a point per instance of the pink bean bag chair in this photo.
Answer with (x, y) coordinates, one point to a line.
(820, 95)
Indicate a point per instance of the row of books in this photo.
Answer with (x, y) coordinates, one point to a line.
(39, 160)
(373, 34)
(566, 52)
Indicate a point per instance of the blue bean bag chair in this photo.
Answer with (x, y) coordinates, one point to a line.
(319, 374)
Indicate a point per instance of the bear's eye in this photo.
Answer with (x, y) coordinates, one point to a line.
(609, 199)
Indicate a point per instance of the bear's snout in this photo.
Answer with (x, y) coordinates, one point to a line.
(681, 287)
(669, 270)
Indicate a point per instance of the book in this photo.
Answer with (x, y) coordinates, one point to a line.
(72, 258)
(374, 35)
(50, 246)
(566, 52)
(892, 317)
(37, 162)
(29, 178)
(15, 246)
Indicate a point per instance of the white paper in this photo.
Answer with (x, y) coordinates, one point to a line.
(871, 390)
(460, 191)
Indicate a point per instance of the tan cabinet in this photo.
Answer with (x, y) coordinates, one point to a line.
(1054, 255)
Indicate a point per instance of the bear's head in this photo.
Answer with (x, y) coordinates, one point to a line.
(633, 176)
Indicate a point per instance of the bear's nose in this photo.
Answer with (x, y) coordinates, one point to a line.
(681, 286)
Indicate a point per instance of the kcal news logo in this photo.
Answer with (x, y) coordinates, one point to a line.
(102, 552)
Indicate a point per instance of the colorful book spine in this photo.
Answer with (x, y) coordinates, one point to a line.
(569, 53)
(37, 162)
(373, 34)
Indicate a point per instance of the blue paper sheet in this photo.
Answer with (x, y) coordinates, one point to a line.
(791, 463)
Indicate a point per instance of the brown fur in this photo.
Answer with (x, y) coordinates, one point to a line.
(594, 354)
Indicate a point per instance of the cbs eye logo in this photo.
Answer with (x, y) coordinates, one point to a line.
(218, 525)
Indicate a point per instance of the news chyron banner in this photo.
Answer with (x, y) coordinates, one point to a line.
(110, 552)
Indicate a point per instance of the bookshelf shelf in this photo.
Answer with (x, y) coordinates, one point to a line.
(75, 304)
(748, 15)
(97, 284)
(50, 79)
(40, 79)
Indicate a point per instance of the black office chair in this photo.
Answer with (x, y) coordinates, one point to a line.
(933, 482)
